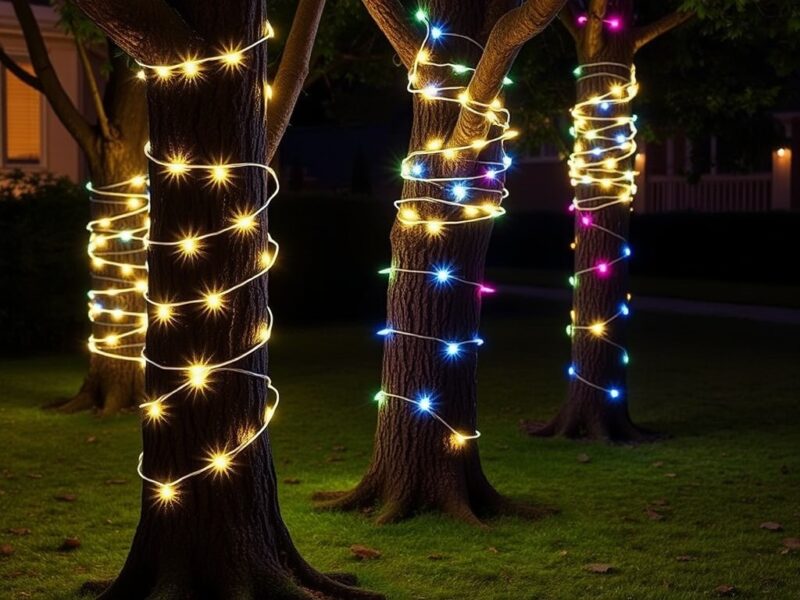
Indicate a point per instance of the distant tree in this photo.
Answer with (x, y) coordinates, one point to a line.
(112, 145)
(442, 231)
(210, 527)
(606, 39)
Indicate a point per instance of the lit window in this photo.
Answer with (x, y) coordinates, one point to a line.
(22, 119)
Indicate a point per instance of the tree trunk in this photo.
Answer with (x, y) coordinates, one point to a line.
(114, 384)
(597, 403)
(223, 536)
(417, 464)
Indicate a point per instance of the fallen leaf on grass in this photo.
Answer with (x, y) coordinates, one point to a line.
(653, 515)
(91, 439)
(601, 568)
(69, 544)
(493, 550)
(771, 526)
(66, 497)
(364, 552)
(35, 475)
(584, 458)
(19, 531)
(725, 590)
(291, 481)
(792, 543)
(435, 556)
(671, 475)
(6, 549)
(684, 558)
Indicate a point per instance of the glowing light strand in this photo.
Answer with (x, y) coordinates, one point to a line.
(200, 372)
(604, 139)
(475, 197)
(117, 255)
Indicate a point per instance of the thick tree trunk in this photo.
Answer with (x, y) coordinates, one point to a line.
(223, 538)
(597, 403)
(114, 384)
(415, 465)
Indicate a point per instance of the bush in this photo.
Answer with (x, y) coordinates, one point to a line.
(43, 264)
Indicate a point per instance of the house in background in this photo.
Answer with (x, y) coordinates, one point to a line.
(33, 138)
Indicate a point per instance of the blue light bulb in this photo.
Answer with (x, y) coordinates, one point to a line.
(621, 138)
(507, 160)
(442, 275)
(614, 393)
(416, 169)
(625, 358)
(385, 332)
(571, 371)
(626, 250)
(459, 191)
(624, 310)
(604, 106)
(436, 32)
(597, 151)
(453, 349)
(424, 403)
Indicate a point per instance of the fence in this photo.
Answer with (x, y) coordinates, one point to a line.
(713, 193)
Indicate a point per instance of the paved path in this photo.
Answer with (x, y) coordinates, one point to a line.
(767, 314)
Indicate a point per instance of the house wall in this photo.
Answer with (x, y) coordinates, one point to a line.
(60, 153)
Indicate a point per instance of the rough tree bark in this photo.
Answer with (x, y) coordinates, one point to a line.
(113, 149)
(589, 412)
(415, 466)
(224, 538)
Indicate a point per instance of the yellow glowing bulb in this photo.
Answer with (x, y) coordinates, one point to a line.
(214, 301)
(245, 223)
(117, 314)
(269, 412)
(190, 246)
(198, 376)
(478, 144)
(409, 214)
(449, 154)
(511, 133)
(423, 56)
(134, 203)
(176, 167)
(434, 227)
(463, 97)
(412, 78)
(141, 75)
(616, 90)
(163, 313)
(97, 262)
(232, 59)
(100, 241)
(437, 143)
(104, 223)
(163, 72)
(154, 411)
(598, 329)
(471, 211)
(590, 135)
(138, 181)
(112, 340)
(191, 69)
(457, 440)
(220, 174)
(126, 270)
(264, 260)
(167, 493)
(268, 91)
(220, 462)
(606, 183)
(610, 164)
(141, 285)
(496, 104)
(264, 333)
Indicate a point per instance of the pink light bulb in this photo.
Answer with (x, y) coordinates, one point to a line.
(571, 208)
(483, 289)
(582, 20)
(586, 220)
(602, 268)
(614, 23)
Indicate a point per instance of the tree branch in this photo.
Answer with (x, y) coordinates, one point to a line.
(390, 16)
(647, 33)
(292, 71)
(148, 30)
(593, 38)
(51, 87)
(20, 73)
(94, 91)
(567, 18)
(513, 29)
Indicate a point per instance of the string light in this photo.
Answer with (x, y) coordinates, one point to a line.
(605, 133)
(117, 254)
(198, 375)
(467, 198)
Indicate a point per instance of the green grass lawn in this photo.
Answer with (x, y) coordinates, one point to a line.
(726, 391)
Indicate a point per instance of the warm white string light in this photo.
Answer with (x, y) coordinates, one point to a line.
(199, 373)
(466, 199)
(117, 255)
(605, 133)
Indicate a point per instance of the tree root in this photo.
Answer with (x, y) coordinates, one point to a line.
(618, 433)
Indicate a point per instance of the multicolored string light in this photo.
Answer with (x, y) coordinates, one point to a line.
(117, 255)
(464, 199)
(214, 299)
(605, 133)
